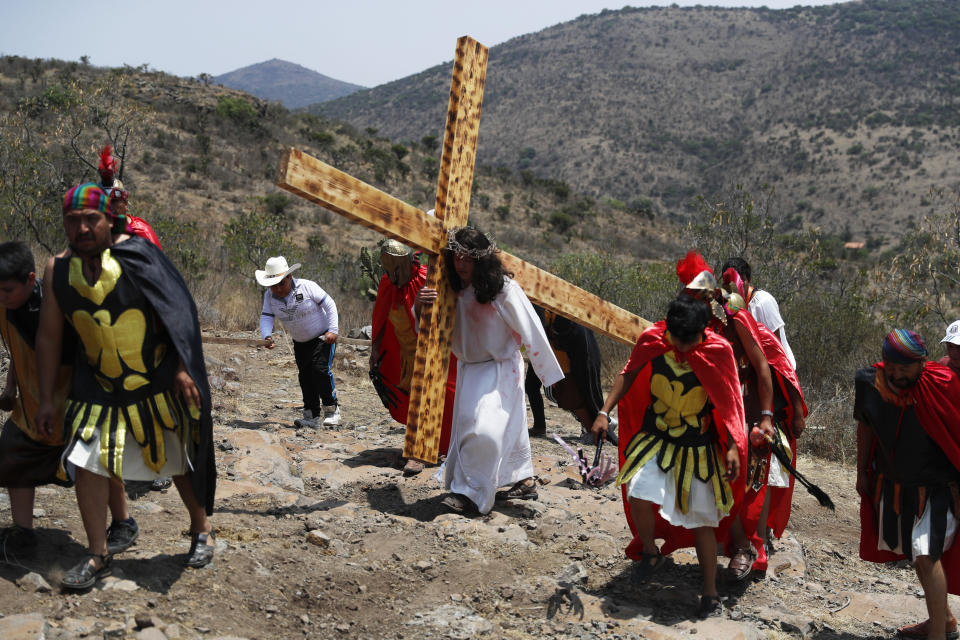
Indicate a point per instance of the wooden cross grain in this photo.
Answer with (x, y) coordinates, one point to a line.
(359, 202)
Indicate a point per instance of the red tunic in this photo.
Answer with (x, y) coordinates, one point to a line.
(713, 363)
(398, 303)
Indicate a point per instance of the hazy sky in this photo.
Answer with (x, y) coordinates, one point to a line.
(367, 42)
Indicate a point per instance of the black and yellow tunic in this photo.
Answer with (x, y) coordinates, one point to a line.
(124, 371)
(678, 433)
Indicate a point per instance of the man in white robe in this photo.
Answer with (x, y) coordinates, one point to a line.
(489, 446)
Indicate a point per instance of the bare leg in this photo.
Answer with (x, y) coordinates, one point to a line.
(92, 496)
(118, 501)
(934, 583)
(762, 529)
(643, 520)
(199, 523)
(738, 536)
(21, 506)
(705, 541)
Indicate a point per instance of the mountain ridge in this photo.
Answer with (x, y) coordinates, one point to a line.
(286, 82)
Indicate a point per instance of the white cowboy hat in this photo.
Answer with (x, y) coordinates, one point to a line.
(275, 271)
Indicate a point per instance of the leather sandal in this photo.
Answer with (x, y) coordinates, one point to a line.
(525, 489)
(412, 467)
(741, 563)
(201, 549)
(649, 563)
(84, 575)
(920, 630)
(459, 503)
(710, 606)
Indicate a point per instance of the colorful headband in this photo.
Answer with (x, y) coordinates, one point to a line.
(88, 195)
(902, 346)
(455, 246)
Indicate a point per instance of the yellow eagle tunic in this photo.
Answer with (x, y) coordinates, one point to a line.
(679, 443)
(123, 389)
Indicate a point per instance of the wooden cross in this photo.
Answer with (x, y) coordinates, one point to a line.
(318, 182)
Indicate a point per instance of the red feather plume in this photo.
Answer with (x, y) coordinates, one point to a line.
(691, 266)
(108, 166)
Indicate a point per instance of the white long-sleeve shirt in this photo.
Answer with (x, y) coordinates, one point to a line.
(306, 312)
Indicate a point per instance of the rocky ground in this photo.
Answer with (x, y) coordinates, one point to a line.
(320, 536)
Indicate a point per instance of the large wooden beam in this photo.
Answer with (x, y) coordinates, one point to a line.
(314, 180)
(574, 303)
(432, 360)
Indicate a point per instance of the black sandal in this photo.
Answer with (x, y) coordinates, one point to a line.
(83, 575)
(643, 569)
(201, 549)
(709, 606)
(525, 489)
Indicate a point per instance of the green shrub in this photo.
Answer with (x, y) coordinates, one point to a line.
(238, 110)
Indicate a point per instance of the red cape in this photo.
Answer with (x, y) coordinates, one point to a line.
(713, 363)
(781, 499)
(390, 297)
(140, 227)
(936, 401)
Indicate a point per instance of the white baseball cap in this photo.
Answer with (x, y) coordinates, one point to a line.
(953, 333)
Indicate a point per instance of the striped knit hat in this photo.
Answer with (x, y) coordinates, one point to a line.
(88, 195)
(902, 346)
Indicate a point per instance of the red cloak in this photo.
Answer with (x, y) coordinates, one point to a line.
(936, 401)
(713, 363)
(391, 297)
(783, 374)
(781, 498)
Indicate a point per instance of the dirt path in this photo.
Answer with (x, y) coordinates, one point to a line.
(319, 536)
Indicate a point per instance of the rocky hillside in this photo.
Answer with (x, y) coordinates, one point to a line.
(849, 110)
(290, 84)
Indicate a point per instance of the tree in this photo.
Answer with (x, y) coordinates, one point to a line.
(51, 142)
(252, 236)
(920, 290)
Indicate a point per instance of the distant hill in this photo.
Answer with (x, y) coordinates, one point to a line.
(849, 110)
(286, 82)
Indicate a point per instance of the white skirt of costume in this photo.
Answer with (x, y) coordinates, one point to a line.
(652, 484)
(920, 536)
(86, 455)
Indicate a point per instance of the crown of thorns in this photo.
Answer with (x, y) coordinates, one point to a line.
(455, 246)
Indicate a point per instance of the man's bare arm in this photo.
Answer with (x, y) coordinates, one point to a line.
(49, 343)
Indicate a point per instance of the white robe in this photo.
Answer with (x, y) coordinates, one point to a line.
(489, 446)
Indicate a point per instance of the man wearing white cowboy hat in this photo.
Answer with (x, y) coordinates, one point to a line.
(310, 315)
(952, 339)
